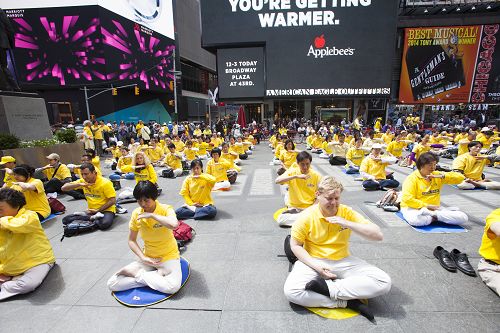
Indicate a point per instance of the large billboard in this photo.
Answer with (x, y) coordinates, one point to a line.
(312, 47)
(443, 65)
(88, 45)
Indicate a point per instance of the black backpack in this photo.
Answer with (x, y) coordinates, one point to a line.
(168, 173)
(288, 250)
(78, 227)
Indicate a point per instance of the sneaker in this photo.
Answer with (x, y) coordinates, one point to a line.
(80, 213)
(96, 216)
(121, 210)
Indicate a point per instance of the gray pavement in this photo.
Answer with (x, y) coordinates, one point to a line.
(238, 269)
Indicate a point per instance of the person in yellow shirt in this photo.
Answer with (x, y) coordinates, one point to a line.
(154, 152)
(96, 161)
(497, 152)
(33, 191)
(302, 184)
(238, 148)
(87, 135)
(98, 137)
(55, 174)
(326, 274)
(288, 156)
(471, 165)
(219, 168)
(124, 166)
(421, 194)
(173, 162)
(489, 265)
(230, 157)
(316, 144)
(372, 170)
(395, 148)
(422, 147)
(354, 157)
(26, 255)
(100, 196)
(138, 128)
(387, 137)
(378, 125)
(142, 168)
(190, 153)
(158, 265)
(326, 147)
(486, 137)
(8, 163)
(463, 144)
(207, 131)
(202, 147)
(339, 151)
(196, 191)
(197, 132)
(279, 147)
(179, 145)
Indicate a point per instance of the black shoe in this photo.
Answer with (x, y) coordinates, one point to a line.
(445, 259)
(462, 262)
(362, 308)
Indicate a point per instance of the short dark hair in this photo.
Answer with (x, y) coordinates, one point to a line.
(171, 146)
(12, 197)
(290, 141)
(196, 162)
(88, 166)
(304, 155)
(426, 158)
(90, 151)
(341, 135)
(225, 144)
(24, 170)
(145, 190)
(215, 151)
(474, 143)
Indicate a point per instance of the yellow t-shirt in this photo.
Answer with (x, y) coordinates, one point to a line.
(197, 132)
(396, 148)
(487, 142)
(97, 194)
(148, 173)
(497, 164)
(207, 131)
(419, 149)
(277, 151)
(96, 162)
(490, 243)
(463, 146)
(322, 239)
(374, 168)
(230, 159)
(472, 167)
(202, 148)
(190, 153)
(238, 148)
(387, 138)
(198, 189)
(218, 170)
(62, 172)
(355, 155)
(419, 193)
(173, 161)
(97, 132)
(159, 241)
(116, 152)
(179, 145)
(155, 154)
(8, 179)
(78, 172)
(288, 157)
(23, 243)
(123, 162)
(88, 133)
(327, 148)
(302, 192)
(35, 201)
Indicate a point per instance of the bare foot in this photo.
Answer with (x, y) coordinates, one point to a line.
(129, 271)
(5, 278)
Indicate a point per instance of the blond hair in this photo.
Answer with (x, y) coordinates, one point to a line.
(147, 161)
(329, 183)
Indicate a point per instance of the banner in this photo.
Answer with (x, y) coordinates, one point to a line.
(443, 65)
(312, 47)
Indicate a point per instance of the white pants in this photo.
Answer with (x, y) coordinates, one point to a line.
(166, 279)
(356, 279)
(276, 162)
(423, 216)
(221, 185)
(177, 172)
(26, 282)
(490, 274)
(324, 155)
(249, 152)
(287, 220)
(488, 185)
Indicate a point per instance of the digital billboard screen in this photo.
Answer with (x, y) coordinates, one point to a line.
(88, 45)
(458, 64)
(312, 48)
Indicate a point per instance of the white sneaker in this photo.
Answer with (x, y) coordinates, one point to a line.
(80, 213)
(97, 215)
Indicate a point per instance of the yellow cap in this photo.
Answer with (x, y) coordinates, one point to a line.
(7, 159)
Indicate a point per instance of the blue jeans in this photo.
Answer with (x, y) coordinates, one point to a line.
(118, 176)
(371, 185)
(351, 171)
(201, 213)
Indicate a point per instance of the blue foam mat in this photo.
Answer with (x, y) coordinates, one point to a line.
(145, 296)
(435, 227)
(50, 217)
(344, 170)
(474, 189)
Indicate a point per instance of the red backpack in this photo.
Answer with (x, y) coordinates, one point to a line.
(183, 232)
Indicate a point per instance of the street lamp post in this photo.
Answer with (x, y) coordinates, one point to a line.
(198, 107)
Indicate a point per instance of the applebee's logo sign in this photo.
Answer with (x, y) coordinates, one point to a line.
(319, 49)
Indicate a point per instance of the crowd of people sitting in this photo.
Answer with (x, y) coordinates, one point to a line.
(324, 274)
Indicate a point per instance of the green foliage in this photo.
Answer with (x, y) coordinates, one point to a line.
(66, 135)
(8, 141)
(39, 143)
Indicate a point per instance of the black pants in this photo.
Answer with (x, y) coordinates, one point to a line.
(337, 160)
(102, 223)
(55, 184)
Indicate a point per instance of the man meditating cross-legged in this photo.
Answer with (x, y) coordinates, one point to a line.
(326, 275)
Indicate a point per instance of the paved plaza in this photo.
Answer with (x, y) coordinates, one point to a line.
(238, 269)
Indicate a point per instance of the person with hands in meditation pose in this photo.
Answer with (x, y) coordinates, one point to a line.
(158, 265)
(421, 198)
(326, 274)
(196, 191)
(100, 196)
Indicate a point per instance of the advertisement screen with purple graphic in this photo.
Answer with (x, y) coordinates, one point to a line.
(77, 46)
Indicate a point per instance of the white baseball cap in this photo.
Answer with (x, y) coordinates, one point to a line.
(377, 146)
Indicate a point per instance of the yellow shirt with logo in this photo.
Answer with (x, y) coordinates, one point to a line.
(36, 201)
(288, 157)
(472, 167)
(490, 243)
(321, 239)
(198, 189)
(155, 154)
(395, 148)
(419, 193)
(173, 161)
(355, 155)
(219, 169)
(374, 168)
(147, 173)
(159, 241)
(98, 193)
(302, 192)
(23, 243)
(62, 172)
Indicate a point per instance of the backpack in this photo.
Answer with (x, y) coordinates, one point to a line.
(78, 227)
(389, 201)
(168, 173)
(183, 232)
(288, 250)
(56, 206)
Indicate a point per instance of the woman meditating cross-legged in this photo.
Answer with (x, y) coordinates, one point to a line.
(158, 265)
